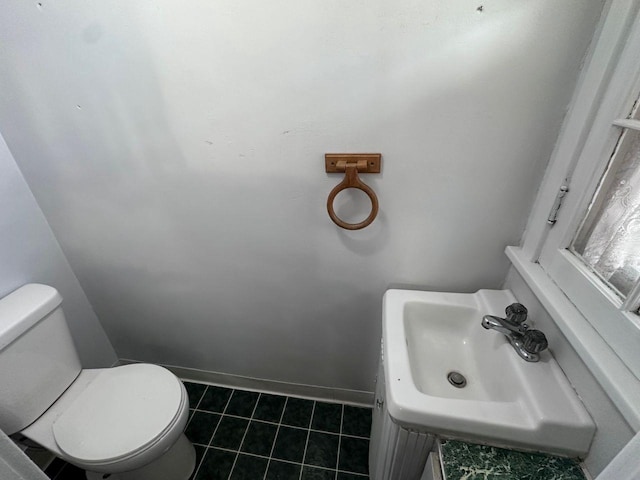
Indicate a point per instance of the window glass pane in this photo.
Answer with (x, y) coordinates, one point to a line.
(609, 239)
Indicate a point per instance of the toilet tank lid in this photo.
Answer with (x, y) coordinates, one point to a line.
(23, 308)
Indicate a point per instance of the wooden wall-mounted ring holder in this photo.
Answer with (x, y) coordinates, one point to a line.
(351, 164)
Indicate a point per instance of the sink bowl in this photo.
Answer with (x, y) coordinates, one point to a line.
(505, 400)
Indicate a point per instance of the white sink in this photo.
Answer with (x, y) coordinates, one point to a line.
(506, 400)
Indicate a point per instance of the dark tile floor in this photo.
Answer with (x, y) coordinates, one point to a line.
(240, 435)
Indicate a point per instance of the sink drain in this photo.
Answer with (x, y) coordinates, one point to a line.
(456, 379)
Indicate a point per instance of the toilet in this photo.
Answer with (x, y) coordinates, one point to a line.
(121, 423)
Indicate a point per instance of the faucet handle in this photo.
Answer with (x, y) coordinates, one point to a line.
(534, 341)
(516, 313)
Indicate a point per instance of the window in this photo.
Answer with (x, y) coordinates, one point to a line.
(591, 254)
(608, 240)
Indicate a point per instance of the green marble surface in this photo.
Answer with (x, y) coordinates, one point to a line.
(465, 461)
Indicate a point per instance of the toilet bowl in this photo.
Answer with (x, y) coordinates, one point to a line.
(108, 421)
(121, 423)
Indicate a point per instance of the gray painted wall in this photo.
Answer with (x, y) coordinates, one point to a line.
(177, 152)
(29, 253)
(613, 432)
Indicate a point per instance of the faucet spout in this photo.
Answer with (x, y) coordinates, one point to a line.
(527, 343)
(502, 325)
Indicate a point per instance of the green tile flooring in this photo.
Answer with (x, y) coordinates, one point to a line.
(240, 435)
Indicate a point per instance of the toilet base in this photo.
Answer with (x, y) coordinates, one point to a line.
(177, 463)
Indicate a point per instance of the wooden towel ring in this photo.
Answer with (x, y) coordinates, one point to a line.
(351, 180)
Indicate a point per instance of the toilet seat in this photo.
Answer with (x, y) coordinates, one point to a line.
(120, 414)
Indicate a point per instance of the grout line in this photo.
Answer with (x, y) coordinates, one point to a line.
(283, 460)
(54, 474)
(197, 470)
(306, 444)
(338, 470)
(275, 438)
(245, 431)
(339, 440)
(355, 436)
(195, 409)
(59, 472)
(284, 424)
(201, 397)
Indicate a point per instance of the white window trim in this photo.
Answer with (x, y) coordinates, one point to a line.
(611, 60)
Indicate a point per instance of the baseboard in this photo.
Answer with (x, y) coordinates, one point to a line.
(313, 392)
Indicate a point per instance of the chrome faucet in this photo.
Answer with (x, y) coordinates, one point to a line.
(526, 342)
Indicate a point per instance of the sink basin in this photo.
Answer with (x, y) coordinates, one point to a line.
(505, 401)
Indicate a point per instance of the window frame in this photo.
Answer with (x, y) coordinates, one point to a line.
(591, 296)
(584, 308)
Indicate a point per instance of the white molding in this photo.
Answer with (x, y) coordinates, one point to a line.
(616, 379)
(312, 392)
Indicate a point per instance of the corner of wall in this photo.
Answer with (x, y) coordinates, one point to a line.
(30, 253)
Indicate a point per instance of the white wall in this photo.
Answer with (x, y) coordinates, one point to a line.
(29, 253)
(177, 151)
(612, 432)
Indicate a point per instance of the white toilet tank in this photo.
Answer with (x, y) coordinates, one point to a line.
(38, 359)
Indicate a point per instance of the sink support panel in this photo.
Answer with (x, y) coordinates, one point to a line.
(395, 453)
